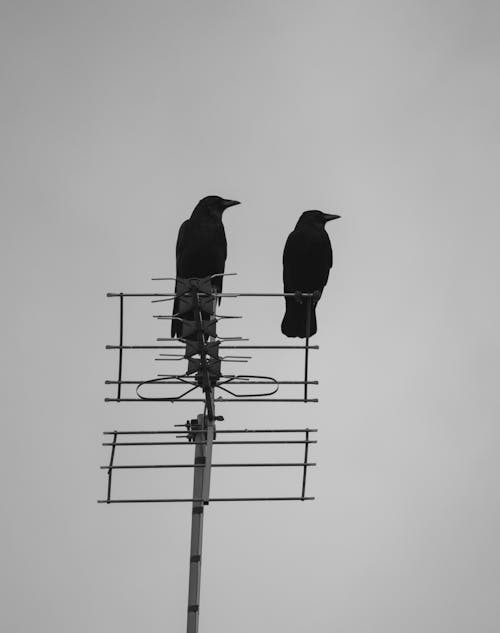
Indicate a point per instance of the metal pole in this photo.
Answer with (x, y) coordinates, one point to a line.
(304, 474)
(120, 353)
(210, 436)
(110, 467)
(306, 359)
(196, 532)
(201, 477)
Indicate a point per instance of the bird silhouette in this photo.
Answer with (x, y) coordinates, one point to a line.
(307, 259)
(201, 247)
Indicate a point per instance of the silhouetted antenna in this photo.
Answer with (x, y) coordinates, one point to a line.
(204, 382)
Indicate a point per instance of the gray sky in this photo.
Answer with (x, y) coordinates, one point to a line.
(116, 118)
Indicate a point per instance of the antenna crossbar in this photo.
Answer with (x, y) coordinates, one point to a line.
(163, 432)
(216, 400)
(211, 499)
(235, 465)
(215, 442)
(226, 295)
(221, 347)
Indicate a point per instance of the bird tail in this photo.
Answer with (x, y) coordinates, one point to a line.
(295, 320)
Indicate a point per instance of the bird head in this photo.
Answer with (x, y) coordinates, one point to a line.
(213, 206)
(316, 218)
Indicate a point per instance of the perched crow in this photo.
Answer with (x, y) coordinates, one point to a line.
(201, 246)
(307, 260)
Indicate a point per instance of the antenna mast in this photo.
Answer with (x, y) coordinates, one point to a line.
(197, 304)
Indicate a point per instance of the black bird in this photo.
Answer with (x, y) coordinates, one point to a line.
(201, 246)
(307, 260)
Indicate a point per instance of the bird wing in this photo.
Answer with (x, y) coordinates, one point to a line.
(201, 250)
(221, 243)
(181, 237)
(327, 256)
(307, 259)
(291, 260)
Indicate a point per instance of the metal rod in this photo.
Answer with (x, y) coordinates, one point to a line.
(201, 476)
(308, 331)
(215, 499)
(110, 466)
(216, 442)
(206, 383)
(196, 531)
(219, 431)
(238, 465)
(208, 461)
(304, 474)
(221, 347)
(217, 400)
(232, 382)
(215, 294)
(120, 354)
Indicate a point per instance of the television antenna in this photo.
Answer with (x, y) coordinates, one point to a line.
(201, 347)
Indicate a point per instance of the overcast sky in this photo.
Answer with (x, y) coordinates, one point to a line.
(117, 117)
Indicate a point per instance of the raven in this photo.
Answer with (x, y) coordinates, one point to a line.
(201, 246)
(307, 259)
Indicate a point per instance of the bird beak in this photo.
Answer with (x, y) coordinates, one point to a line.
(330, 216)
(229, 203)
